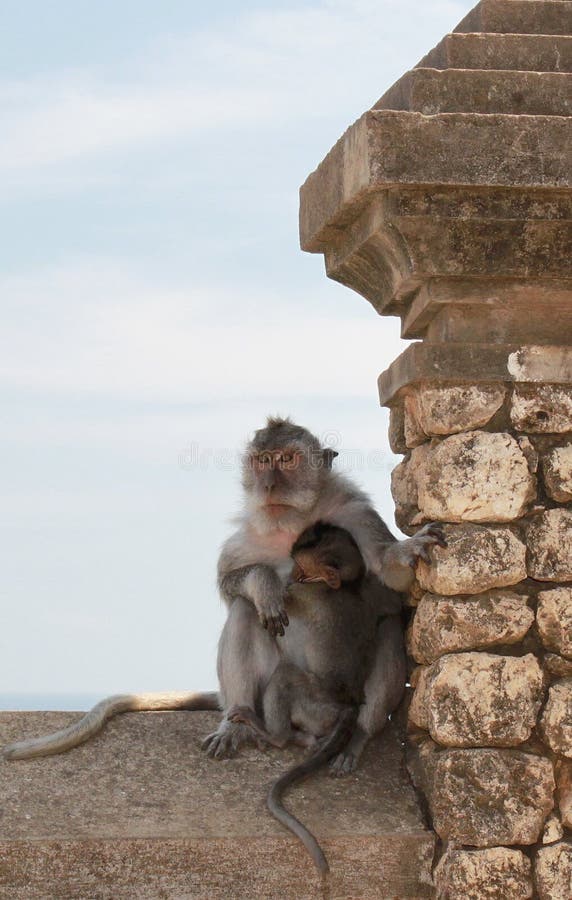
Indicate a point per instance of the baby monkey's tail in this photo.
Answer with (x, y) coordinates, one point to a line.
(94, 720)
(335, 743)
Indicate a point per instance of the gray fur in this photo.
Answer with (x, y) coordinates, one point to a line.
(263, 541)
(314, 693)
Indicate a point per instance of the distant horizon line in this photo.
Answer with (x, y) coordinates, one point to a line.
(33, 701)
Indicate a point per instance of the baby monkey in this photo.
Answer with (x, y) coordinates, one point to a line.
(313, 696)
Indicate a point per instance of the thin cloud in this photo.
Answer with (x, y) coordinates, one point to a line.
(97, 328)
(262, 68)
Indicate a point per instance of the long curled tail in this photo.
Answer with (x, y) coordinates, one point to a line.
(333, 745)
(93, 721)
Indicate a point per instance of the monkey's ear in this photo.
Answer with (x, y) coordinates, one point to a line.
(332, 577)
(329, 455)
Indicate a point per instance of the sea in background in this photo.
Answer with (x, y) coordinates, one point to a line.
(48, 701)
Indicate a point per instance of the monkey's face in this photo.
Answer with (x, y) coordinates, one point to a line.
(278, 480)
(310, 568)
(283, 473)
(327, 553)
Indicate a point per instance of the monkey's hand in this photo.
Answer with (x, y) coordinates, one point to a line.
(272, 613)
(418, 546)
(400, 558)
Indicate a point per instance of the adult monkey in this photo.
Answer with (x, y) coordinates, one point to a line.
(288, 485)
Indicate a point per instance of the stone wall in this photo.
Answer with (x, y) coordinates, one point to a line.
(491, 634)
(449, 204)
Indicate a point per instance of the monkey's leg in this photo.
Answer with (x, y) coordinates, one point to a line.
(247, 657)
(384, 689)
(286, 683)
(297, 707)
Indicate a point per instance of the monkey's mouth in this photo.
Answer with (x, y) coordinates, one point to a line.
(302, 578)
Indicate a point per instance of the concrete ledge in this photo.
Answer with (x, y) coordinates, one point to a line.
(476, 364)
(386, 148)
(489, 91)
(519, 17)
(523, 52)
(140, 812)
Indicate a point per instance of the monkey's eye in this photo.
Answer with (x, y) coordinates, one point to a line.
(264, 458)
(289, 460)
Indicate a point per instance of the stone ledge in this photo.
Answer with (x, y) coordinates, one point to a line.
(519, 17)
(477, 364)
(387, 148)
(522, 52)
(140, 812)
(433, 91)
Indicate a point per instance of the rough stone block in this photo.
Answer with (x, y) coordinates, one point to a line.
(480, 699)
(529, 451)
(396, 429)
(557, 666)
(418, 712)
(404, 488)
(549, 541)
(554, 620)
(542, 408)
(553, 872)
(474, 477)
(448, 624)
(556, 720)
(563, 771)
(475, 560)
(478, 874)
(432, 411)
(552, 831)
(484, 798)
(557, 470)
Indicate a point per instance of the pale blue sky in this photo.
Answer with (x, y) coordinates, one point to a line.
(155, 300)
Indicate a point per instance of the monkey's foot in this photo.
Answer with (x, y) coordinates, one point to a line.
(228, 738)
(244, 715)
(418, 546)
(343, 764)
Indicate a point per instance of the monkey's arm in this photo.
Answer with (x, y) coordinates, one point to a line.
(260, 584)
(391, 560)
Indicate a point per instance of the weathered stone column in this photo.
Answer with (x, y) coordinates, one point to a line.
(449, 204)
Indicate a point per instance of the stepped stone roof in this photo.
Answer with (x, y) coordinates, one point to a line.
(476, 136)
